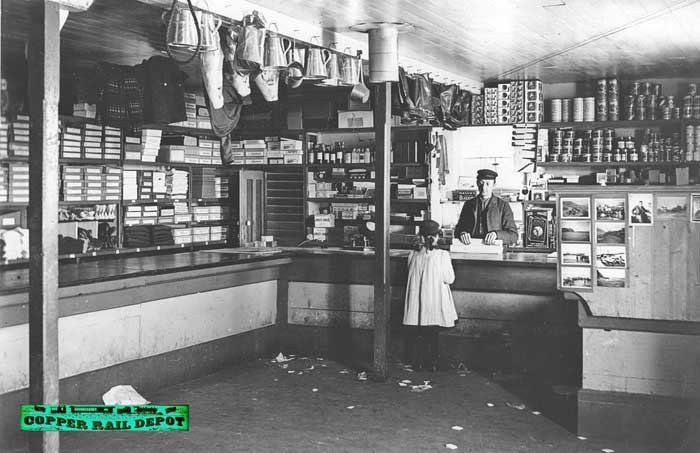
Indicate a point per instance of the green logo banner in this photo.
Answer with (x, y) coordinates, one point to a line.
(96, 417)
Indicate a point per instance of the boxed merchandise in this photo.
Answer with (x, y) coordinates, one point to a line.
(355, 119)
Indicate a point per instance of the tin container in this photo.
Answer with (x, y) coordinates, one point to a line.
(640, 108)
(692, 89)
(613, 87)
(656, 89)
(601, 108)
(676, 113)
(578, 110)
(646, 88)
(565, 157)
(556, 110)
(651, 107)
(569, 133)
(629, 143)
(613, 109)
(589, 109)
(634, 88)
(566, 110)
(628, 108)
(607, 155)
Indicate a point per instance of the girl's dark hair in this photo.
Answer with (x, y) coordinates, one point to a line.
(426, 241)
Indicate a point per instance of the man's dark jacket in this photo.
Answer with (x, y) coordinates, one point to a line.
(499, 218)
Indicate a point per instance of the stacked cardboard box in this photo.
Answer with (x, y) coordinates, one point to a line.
(221, 186)
(517, 101)
(18, 188)
(19, 143)
(85, 110)
(190, 111)
(149, 214)
(112, 143)
(4, 183)
(180, 184)
(71, 142)
(293, 150)
(93, 136)
(90, 183)
(150, 144)
(200, 234)
(218, 233)
(254, 152)
(166, 215)
(503, 103)
(237, 152)
(133, 215)
(477, 113)
(182, 212)
(534, 101)
(273, 150)
(203, 183)
(111, 183)
(203, 120)
(4, 148)
(173, 147)
(491, 105)
(181, 234)
(130, 185)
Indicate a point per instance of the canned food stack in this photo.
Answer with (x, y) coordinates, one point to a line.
(491, 105)
(589, 109)
(565, 110)
(503, 103)
(578, 110)
(596, 145)
(477, 114)
(691, 141)
(601, 100)
(517, 101)
(555, 105)
(534, 101)
(608, 143)
(556, 145)
(689, 101)
(613, 98)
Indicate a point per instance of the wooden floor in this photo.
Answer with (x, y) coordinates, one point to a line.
(259, 406)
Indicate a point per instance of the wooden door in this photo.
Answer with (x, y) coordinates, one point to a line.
(252, 206)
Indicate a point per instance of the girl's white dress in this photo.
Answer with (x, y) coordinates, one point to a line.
(428, 297)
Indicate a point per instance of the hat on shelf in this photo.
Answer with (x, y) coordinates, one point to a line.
(486, 174)
(429, 228)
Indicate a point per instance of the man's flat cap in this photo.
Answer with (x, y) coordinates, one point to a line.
(486, 174)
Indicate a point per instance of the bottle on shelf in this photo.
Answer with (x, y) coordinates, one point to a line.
(331, 156)
(319, 153)
(311, 154)
(339, 153)
(326, 154)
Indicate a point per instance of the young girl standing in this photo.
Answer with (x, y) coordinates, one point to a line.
(429, 305)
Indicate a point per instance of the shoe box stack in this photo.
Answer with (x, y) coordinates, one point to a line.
(491, 104)
(4, 183)
(179, 184)
(19, 143)
(144, 148)
(90, 183)
(4, 148)
(18, 182)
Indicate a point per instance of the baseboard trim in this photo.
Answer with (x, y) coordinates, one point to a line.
(644, 418)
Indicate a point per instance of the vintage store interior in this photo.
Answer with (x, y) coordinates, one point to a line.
(214, 202)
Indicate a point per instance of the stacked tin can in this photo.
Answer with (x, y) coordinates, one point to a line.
(613, 100)
(601, 100)
(691, 141)
(555, 110)
(534, 101)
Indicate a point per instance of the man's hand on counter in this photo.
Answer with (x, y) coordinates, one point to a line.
(490, 238)
(465, 238)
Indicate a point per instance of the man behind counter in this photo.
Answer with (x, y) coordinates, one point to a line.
(486, 216)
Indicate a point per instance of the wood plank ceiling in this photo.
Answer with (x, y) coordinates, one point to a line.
(554, 40)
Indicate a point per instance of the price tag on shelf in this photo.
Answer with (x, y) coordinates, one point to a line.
(94, 253)
(72, 255)
(138, 249)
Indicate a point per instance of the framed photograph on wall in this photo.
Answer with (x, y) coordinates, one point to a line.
(610, 209)
(695, 207)
(672, 206)
(611, 256)
(641, 208)
(576, 254)
(611, 278)
(610, 232)
(575, 208)
(576, 277)
(575, 230)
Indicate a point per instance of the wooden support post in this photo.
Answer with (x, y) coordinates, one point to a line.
(382, 284)
(44, 77)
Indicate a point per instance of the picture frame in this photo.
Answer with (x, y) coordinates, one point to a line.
(641, 209)
(611, 256)
(575, 277)
(576, 254)
(610, 209)
(575, 230)
(671, 206)
(575, 207)
(611, 278)
(609, 233)
(695, 207)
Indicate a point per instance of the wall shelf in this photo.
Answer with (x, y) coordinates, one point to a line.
(615, 164)
(630, 124)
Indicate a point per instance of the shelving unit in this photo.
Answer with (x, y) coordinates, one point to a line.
(642, 170)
